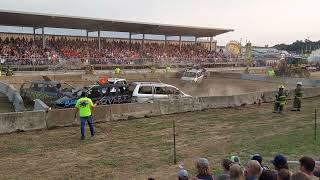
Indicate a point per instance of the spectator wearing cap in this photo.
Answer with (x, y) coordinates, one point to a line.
(235, 159)
(307, 165)
(182, 174)
(268, 175)
(280, 162)
(252, 170)
(236, 173)
(258, 158)
(284, 174)
(203, 169)
(300, 176)
(226, 170)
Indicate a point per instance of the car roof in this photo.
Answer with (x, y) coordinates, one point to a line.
(152, 83)
(44, 82)
(116, 79)
(194, 70)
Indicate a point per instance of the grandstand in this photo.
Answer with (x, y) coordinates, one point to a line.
(49, 49)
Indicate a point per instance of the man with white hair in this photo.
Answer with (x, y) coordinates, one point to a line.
(298, 93)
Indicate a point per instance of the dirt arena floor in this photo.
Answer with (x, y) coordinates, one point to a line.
(142, 148)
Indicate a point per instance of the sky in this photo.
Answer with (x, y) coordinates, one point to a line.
(262, 22)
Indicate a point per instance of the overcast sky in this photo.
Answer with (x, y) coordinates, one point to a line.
(259, 21)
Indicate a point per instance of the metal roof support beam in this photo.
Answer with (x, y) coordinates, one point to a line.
(130, 36)
(180, 43)
(165, 42)
(210, 48)
(99, 40)
(43, 38)
(142, 43)
(87, 35)
(34, 33)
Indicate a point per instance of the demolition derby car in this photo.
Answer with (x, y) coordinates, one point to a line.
(193, 75)
(100, 94)
(46, 90)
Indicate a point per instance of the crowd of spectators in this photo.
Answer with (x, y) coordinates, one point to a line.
(254, 169)
(31, 52)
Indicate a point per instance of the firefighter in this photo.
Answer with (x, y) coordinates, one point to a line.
(168, 69)
(117, 71)
(298, 93)
(281, 98)
(9, 71)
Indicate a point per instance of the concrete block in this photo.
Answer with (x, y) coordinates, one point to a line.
(40, 106)
(22, 121)
(60, 118)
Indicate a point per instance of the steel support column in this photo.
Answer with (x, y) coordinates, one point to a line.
(180, 43)
(43, 38)
(130, 36)
(99, 41)
(34, 33)
(210, 43)
(142, 43)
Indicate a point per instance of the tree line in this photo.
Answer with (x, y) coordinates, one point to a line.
(299, 47)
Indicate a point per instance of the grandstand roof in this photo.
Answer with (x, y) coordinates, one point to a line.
(27, 19)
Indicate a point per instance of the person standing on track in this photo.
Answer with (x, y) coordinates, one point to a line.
(84, 105)
(298, 93)
(281, 98)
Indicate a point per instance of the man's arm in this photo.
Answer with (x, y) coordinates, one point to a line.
(76, 112)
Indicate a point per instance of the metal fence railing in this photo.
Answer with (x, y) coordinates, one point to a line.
(44, 64)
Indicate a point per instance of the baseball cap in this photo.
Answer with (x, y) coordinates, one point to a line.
(257, 157)
(203, 162)
(183, 174)
(279, 160)
(235, 159)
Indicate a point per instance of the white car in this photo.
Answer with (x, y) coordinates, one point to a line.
(193, 75)
(150, 91)
(117, 81)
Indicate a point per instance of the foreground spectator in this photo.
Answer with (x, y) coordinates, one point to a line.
(284, 174)
(280, 162)
(182, 174)
(258, 158)
(226, 168)
(300, 176)
(236, 172)
(235, 159)
(268, 175)
(252, 170)
(307, 165)
(203, 169)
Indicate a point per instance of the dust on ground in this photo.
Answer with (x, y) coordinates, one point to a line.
(142, 148)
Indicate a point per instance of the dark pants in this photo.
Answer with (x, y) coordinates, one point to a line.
(278, 107)
(297, 103)
(83, 121)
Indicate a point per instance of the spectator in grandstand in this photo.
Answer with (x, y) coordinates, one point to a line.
(268, 175)
(252, 170)
(284, 174)
(226, 170)
(182, 174)
(317, 171)
(258, 158)
(307, 165)
(236, 173)
(280, 162)
(203, 170)
(300, 176)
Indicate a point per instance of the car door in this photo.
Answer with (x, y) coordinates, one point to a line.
(160, 92)
(145, 93)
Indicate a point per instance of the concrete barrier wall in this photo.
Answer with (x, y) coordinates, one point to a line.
(13, 96)
(22, 121)
(11, 122)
